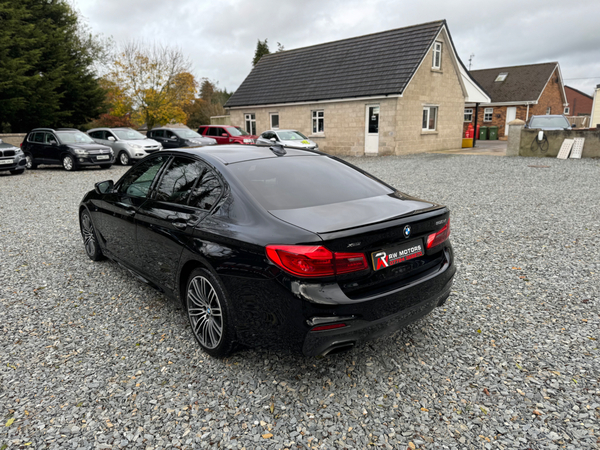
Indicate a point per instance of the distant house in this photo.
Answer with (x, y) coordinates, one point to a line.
(580, 104)
(394, 92)
(518, 92)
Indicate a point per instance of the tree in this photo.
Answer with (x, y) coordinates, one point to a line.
(262, 49)
(47, 74)
(156, 79)
(209, 104)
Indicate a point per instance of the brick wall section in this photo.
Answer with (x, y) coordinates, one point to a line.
(13, 138)
(551, 98)
(400, 118)
(579, 104)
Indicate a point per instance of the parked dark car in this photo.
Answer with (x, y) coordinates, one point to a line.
(227, 134)
(271, 246)
(65, 146)
(549, 122)
(12, 158)
(178, 137)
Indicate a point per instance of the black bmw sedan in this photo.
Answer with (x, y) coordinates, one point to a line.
(271, 247)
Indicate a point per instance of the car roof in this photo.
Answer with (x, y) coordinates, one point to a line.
(231, 154)
(170, 128)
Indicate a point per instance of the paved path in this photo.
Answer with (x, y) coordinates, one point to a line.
(489, 148)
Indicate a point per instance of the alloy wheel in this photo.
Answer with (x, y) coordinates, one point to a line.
(28, 161)
(89, 237)
(68, 163)
(124, 158)
(205, 313)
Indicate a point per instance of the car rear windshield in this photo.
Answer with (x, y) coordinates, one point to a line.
(186, 134)
(549, 122)
(291, 136)
(237, 131)
(304, 181)
(129, 135)
(74, 137)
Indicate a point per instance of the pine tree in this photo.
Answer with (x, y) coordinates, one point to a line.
(262, 49)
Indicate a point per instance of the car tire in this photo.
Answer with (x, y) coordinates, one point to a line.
(90, 239)
(29, 163)
(105, 166)
(209, 314)
(124, 159)
(17, 171)
(68, 163)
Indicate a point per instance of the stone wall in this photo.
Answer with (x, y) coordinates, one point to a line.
(13, 138)
(554, 138)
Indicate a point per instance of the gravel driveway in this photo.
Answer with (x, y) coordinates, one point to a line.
(92, 358)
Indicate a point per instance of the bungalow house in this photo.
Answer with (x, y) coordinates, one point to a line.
(394, 92)
(518, 92)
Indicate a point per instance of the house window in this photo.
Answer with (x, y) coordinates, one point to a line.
(567, 111)
(274, 121)
(548, 110)
(251, 123)
(488, 114)
(437, 55)
(502, 76)
(430, 118)
(468, 115)
(318, 121)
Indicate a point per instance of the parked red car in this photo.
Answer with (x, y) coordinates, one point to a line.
(227, 134)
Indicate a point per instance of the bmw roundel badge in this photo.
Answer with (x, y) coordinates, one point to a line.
(407, 231)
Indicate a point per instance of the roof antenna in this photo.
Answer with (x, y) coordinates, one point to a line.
(471, 59)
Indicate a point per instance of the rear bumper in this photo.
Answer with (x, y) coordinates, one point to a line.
(357, 330)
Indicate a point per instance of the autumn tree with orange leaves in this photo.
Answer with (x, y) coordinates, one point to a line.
(153, 82)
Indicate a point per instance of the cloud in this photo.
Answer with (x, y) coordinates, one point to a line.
(220, 36)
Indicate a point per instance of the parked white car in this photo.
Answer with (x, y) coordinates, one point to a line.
(127, 144)
(291, 138)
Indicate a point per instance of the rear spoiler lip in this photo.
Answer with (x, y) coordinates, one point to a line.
(422, 214)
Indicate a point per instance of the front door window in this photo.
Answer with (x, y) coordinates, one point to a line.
(373, 119)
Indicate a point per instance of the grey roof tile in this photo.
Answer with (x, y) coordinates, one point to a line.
(375, 64)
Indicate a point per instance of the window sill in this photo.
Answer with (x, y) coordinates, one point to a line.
(319, 135)
(429, 132)
(433, 69)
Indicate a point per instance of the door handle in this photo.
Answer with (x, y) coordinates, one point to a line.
(180, 225)
(128, 209)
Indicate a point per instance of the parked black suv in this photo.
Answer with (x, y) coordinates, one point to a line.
(177, 137)
(65, 146)
(11, 158)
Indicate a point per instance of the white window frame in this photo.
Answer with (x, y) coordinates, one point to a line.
(548, 110)
(436, 63)
(250, 122)
(273, 127)
(318, 115)
(427, 116)
(566, 111)
(468, 112)
(488, 114)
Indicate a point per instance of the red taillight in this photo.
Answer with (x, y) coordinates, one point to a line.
(314, 261)
(329, 327)
(439, 237)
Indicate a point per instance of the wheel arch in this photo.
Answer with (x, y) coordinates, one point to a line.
(184, 274)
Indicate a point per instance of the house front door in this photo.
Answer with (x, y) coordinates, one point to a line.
(511, 114)
(372, 130)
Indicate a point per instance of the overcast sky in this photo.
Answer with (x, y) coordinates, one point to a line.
(220, 36)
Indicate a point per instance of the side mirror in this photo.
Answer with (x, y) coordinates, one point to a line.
(53, 143)
(104, 187)
(273, 140)
(573, 125)
(111, 138)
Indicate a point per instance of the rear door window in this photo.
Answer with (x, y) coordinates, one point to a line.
(178, 180)
(38, 137)
(304, 181)
(207, 191)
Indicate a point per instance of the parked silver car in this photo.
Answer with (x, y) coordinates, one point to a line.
(128, 144)
(291, 138)
(549, 122)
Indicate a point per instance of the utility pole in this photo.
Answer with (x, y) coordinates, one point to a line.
(470, 60)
